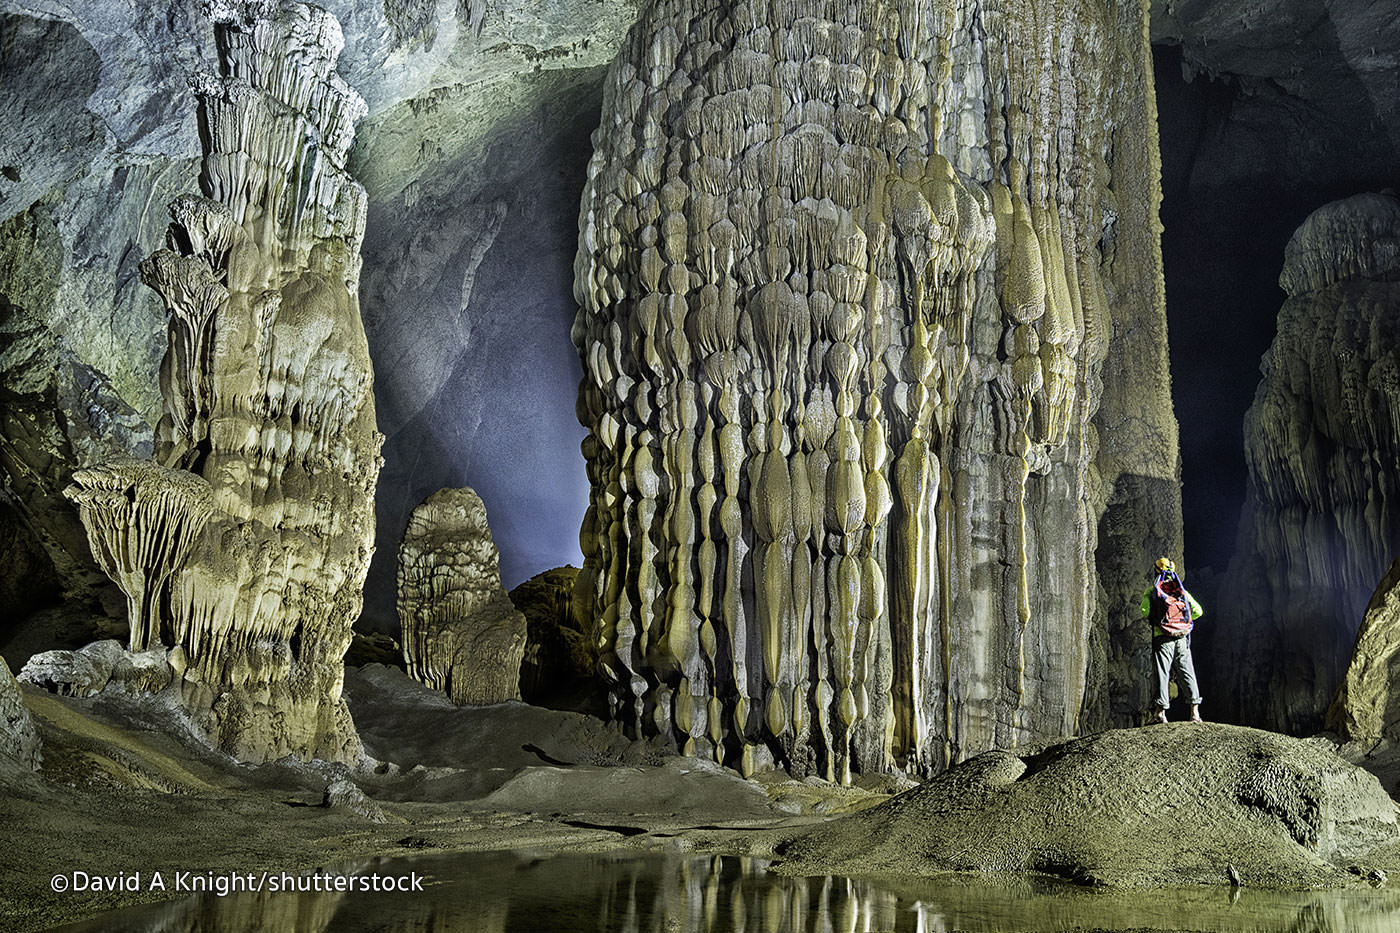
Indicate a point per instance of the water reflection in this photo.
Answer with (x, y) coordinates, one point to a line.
(523, 892)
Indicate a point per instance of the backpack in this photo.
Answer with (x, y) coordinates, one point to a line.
(1175, 611)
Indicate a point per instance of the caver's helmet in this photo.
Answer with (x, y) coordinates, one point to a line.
(1165, 565)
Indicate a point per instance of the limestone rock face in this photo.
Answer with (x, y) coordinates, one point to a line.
(1175, 804)
(19, 741)
(243, 546)
(1367, 705)
(473, 155)
(1322, 520)
(461, 632)
(848, 281)
(56, 412)
(559, 659)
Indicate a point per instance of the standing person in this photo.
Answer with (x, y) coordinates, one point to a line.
(1173, 613)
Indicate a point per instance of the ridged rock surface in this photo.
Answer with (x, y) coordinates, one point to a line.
(461, 633)
(1322, 518)
(243, 546)
(848, 279)
(19, 740)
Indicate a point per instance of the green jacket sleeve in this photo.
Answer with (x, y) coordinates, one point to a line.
(1146, 605)
(1196, 610)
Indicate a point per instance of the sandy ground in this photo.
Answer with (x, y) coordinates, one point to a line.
(118, 795)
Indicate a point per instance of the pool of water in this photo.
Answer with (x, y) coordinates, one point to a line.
(535, 892)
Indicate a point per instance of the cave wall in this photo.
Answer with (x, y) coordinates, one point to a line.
(849, 282)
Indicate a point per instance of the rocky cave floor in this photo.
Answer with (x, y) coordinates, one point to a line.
(120, 791)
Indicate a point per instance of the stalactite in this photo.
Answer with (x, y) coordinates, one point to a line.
(850, 239)
(244, 551)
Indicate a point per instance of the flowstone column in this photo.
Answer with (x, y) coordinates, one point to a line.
(842, 315)
(244, 546)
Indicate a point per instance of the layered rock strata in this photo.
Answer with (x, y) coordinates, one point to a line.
(242, 548)
(461, 632)
(848, 277)
(19, 740)
(1321, 521)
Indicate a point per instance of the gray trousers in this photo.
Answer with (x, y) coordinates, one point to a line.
(1173, 656)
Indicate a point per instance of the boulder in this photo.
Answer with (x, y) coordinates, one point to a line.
(461, 633)
(91, 669)
(560, 664)
(1367, 705)
(1182, 803)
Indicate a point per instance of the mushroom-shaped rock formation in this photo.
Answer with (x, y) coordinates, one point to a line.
(849, 277)
(461, 633)
(243, 548)
(19, 740)
(1321, 521)
(1176, 804)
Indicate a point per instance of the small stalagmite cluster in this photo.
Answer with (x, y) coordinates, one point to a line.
(844, 274)
(1322, 443)
(461, 632)
(243, 547)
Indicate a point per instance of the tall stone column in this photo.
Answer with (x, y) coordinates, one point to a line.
(848, 278)
(243, 546)
(1321, 522)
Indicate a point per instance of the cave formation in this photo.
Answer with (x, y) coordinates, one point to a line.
(863, 434)
(243, 546)
(845, 278)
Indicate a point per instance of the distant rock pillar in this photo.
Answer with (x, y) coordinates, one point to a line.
(461, 632)
(243, 548)
(1321, 522)
(843, 277)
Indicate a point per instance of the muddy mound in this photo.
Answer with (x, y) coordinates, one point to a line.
(1174, 804)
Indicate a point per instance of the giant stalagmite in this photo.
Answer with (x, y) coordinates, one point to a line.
(243, 546)
(1321, 521)
(849, 274)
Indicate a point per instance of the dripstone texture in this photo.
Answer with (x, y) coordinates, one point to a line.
(1322, 439)
(243, 547)
(849, 285)
(461, 632)
(559, 662)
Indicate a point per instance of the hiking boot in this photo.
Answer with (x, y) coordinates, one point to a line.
(1161, 716)
(1196, 714)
